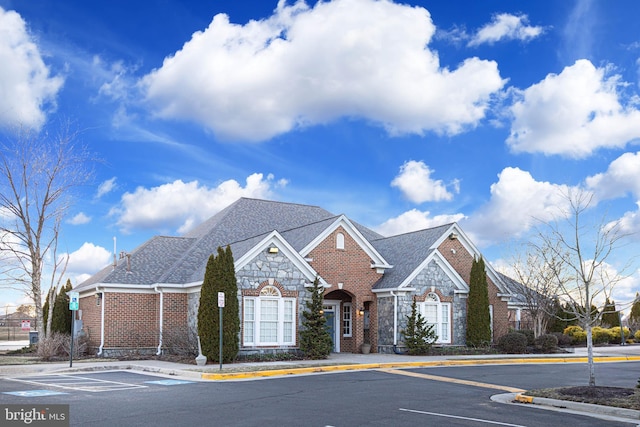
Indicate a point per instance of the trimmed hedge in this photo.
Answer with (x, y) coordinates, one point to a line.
(513, 343)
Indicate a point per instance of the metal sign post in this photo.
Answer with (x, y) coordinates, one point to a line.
(74, 298)
(220, 307)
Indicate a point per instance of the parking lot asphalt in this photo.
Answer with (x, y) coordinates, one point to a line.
(340, 362)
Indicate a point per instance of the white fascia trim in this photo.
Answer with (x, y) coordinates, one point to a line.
(275, 239)
(383, 293)
(378, 260)
(442, 263)
(466, 242)
(131, 288)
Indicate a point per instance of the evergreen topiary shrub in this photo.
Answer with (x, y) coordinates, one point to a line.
(547, 343)
(513, 343)
(563, 340)
(531, 337)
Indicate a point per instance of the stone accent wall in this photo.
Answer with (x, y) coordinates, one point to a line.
(434, 276)
(461, 260)
(385, 322)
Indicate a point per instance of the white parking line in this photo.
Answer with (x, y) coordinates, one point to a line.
(74, 382)
(460, 417)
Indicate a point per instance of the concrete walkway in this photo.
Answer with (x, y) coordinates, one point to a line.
(340, 362)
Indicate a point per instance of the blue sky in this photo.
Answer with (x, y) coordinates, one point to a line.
(400, 115)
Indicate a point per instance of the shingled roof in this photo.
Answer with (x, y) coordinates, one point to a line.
(406, 252)
(243, 224)
(182, 260)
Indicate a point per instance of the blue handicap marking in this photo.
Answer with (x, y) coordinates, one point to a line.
(169, 382)
(34, 393)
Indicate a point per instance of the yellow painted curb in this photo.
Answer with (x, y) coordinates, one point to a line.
(524, 399)
(368, 366)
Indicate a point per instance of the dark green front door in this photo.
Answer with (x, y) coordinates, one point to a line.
(329, 324)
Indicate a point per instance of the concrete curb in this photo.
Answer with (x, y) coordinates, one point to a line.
(230, 376)
(579, 406)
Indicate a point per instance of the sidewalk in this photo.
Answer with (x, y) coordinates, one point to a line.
(341, 362)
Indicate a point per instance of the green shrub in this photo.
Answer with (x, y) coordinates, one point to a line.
(547, 343)
(513, 343)
(563, 340)
(601, 335)
(636, 336)
(576, 333)
(615, 334)
(531, 337)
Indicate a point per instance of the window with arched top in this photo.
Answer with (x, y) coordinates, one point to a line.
(269, 291)
(269, 319)
(339, 241)
(438, 314)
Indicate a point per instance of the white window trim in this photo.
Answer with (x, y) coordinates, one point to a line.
(439, 321)
(350, 326)
(281, 322)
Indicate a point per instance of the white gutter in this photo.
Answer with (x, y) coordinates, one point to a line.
(159, 352)
(101, 320)
(395, 318)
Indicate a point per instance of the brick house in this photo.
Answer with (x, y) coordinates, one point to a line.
(279, 249)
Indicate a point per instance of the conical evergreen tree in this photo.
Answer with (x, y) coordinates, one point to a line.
(219, 277)
(315, 340)
(478, 316)
(45, 310)
(231, 312)
(634, 316)
(208, 312)
(418, 336)
(61, 317)
(610, 317)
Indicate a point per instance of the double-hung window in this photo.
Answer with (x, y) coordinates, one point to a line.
(346, 319)
(438, 314)
(269, 319)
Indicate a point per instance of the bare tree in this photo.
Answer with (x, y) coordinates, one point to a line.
(37, 175)
(578, 254)
(536, 271)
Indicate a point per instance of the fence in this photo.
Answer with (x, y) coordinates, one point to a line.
(11, 330)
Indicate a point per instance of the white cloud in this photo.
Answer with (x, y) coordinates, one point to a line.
(106, 187)
(80, 219)
(414, 220)
(86, 261)
(573, 114)
(517, 203)
(26, 88)
(414, 180)
(505, 26)
(622, 177)
(629, 223)
(179, 205)
(304, 66)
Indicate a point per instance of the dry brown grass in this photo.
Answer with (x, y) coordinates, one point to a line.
(618, 397)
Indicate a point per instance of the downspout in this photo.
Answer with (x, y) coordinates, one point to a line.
(159, 352)
(101, 320)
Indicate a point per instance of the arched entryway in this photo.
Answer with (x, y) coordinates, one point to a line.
(341, 315)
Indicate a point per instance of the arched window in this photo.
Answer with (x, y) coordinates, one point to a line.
(269, 319)
(339, 241)
(438, 314)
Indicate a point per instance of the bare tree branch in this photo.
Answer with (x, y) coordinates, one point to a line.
(37, 175)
